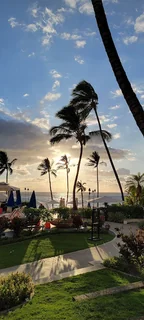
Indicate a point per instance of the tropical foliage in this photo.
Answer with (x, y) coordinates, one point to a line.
(64, 164)
(81, 187)
(46, 167)
(135, 189)
(119, 72)
(6, 164)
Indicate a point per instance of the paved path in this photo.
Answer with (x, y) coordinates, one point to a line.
(69, 264)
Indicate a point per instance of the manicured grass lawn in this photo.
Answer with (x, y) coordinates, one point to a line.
(53, 301)
(44, 247)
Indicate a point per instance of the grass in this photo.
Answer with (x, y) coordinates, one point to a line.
(44, 247)
(53, 301)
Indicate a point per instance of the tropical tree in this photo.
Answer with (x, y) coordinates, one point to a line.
(6, 164)
(64, 164)
(85, 99)
(134, 186)
(94, 162)
(119, 72)
(81, 188)
(73, 126)
(46, 167)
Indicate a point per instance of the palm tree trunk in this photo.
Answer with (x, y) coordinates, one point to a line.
(97, 183)
(82, 199)
(67, 186)
(119, 72)
(7, 176)
(50, 186)
(76, 178)
(109, 156)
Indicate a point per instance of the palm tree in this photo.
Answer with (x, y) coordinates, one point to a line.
(46, 168)
(94, 162)
(85, 99)
(6, 164)
(119, 72)
(134, 185)
(64, 164)
(81, 188)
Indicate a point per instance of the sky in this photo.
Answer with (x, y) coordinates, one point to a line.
(47, 47)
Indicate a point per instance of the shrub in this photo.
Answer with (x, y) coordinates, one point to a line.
(116, 217)
(45, 215)
(3, 224)
(17, 225)
(117, 263)
(141, 225)
(85, 213)
(77, 221)
(64, 213)
(15, 289)
(133, 211)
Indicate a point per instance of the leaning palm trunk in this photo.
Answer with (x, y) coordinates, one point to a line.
(7, 176)
(76, 178)
(50, 186)
(82, 199)
(109, 155)
(121, 77)
(67, 187)
(97, 183)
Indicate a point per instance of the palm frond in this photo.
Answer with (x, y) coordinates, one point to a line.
(85, 89)
(59, 137)
(13, 162)
(2, 171)
(53, 172)
(10, 170)
(107, 135)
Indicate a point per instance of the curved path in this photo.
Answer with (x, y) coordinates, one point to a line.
(74, 263)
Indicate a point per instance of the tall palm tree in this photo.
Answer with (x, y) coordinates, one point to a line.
(85, 99)
(135, 183)
(119, 72)
(73, 126)
(81, 188)
(6, 164)
(94, 162)
(64, 164)
(46, 167)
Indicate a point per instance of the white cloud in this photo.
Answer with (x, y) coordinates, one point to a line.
(116, 93)
(68, 36)
(115, 107)
(50, 96)
(79, 60)
(89, 33)
(31, 27)
(139, 24)
(46, 40)
(26, 95)
(80, 43)
(142, 96)
(86, 8)
(112, 125)
(56, 84)
(48, 29)
(42, 123)
(13, 23)
(130, 40)
(129, 21)
(31, 55)
(116, 136)
(71, 3)
(1, 101)
(55, 74)
(54, 18)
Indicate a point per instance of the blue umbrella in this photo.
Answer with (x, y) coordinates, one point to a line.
(10, 202)
(32, 203)
(18, 198)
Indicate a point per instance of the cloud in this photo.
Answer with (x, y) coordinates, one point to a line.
(80, 43)
(123, 172)
(68, 36)
(22, 171)
(71, 3)
(31, 55)
(50, 96)
(142, 96)
(129, 21)
(139, 24)
(78, 59)
(56, 84)
(116, 136)
(112, 125)
(31, 27)
(55, 74)
(42, 123)
(13, 23)
(115, 107)
(54, 18)
(130, 40)
(26, 95)
(116, 93)
(86, 8)
(1, 101)
(47, 40)
(89, 33)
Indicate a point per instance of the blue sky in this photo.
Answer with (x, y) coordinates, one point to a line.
(46, 48)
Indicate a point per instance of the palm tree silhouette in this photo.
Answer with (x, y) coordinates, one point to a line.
(134, 184)
(119, 72)
(94, 162)
(46, 168)
(6, 164)
(64, 164)
(85, 99)
(81, 188)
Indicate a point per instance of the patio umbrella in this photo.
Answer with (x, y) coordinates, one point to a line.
(32, 203)
(10, 202)
(105, 199)
(18, 198)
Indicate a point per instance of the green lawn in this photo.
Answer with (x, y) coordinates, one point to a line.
(44, 247)
(53, 301)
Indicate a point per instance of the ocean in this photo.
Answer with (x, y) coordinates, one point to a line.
(44, 197)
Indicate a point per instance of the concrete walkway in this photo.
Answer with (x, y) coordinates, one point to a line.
(74, 263)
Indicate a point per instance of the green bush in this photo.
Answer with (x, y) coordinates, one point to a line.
(17, 225)
(116, 217)
(15, 289)
(64, 213)
(132, 212)
(141, 225)
(3, 224)
(117, 263)
(77, 221)
(85, 213)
